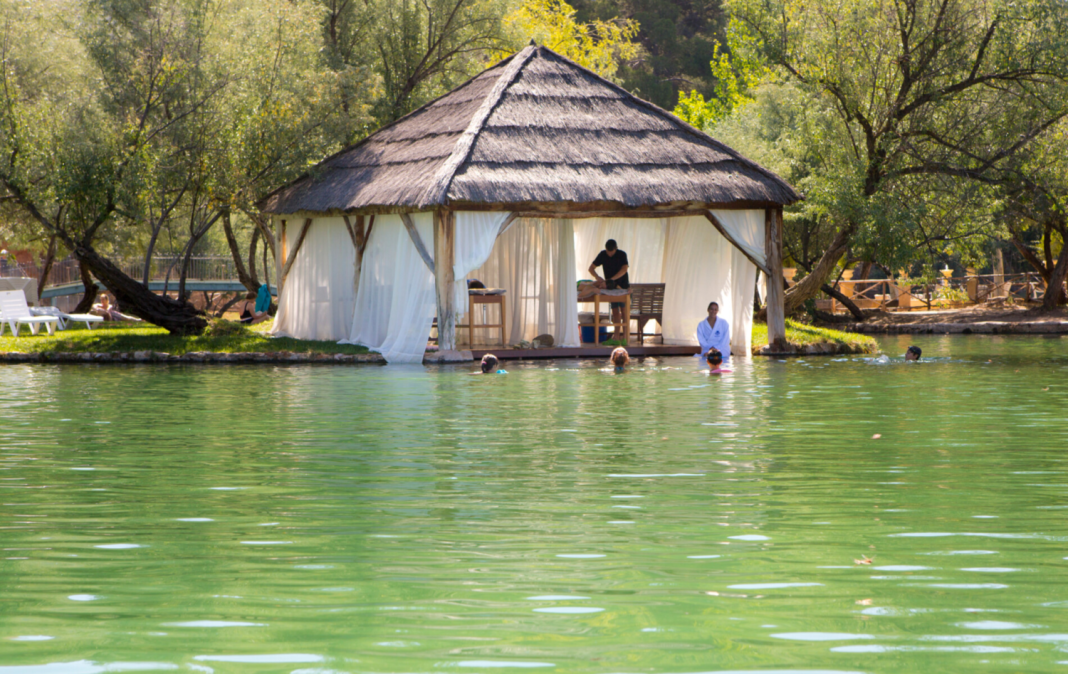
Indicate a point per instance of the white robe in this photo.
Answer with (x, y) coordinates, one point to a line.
(718, 337)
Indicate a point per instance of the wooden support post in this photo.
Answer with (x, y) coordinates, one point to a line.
(280, 259)
(360, 237)
(291, 256)
(444, 280)
(773, 254)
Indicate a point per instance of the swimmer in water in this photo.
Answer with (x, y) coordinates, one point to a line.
(489, 365)
(620, 358)
(715, 362)
(913, 353)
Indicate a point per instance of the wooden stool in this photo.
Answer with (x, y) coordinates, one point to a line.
(472, 300)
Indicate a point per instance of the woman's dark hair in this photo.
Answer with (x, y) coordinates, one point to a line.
(489, 363)
(714, 357)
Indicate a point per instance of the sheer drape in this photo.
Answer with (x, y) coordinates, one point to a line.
(697, 270)
(396, 303)
(534, 261)
(317, 297)
(747, 228)
(641, 238)
(476, 234)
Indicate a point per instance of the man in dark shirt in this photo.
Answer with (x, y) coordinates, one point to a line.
(615, 265)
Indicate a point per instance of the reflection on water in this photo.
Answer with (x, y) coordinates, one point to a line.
(834, 515)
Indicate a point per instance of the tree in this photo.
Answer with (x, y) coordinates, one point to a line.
(1035, 209)
(597, 45)
(175, 114)
(677, 39)
(915, 89)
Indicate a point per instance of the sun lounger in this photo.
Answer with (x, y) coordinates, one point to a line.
(14, 312)
(66, 320)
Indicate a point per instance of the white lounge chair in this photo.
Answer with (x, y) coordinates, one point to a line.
(66, 320)
(14, 311)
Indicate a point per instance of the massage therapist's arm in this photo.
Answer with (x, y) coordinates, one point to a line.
(622, 272)
(593, 270)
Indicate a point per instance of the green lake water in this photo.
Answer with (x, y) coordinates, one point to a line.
(559, 519)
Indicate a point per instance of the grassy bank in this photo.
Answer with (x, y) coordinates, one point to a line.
(128, 338)
(806, 335)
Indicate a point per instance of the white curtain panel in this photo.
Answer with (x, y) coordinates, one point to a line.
(747, 228)
(318, 295)
(641, 238)
(396, 303)
(534, 261)
(697, 270)
(476, 234)
(743, 287)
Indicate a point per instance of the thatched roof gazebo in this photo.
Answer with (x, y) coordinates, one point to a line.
(535, 136)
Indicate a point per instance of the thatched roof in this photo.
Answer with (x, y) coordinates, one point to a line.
(539, 128)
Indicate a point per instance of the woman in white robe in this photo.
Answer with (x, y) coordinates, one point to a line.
(714, 333)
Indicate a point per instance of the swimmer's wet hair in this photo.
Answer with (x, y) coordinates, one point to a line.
(620, 357)
(714, 357)
(916, 350)
(489, 363)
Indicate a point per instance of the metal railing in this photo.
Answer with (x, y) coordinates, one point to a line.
(910, 295)
(163, 268)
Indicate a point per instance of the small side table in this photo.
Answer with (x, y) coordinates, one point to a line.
(624, 328)
(472, 300)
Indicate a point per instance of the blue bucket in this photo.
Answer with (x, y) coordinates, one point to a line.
(587, 334)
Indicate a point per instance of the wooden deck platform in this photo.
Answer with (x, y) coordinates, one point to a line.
(586, 351)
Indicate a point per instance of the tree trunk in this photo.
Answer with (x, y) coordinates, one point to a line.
(252, 246)
(178, 317)
(811, 285)
(846, 302)
(46, 269)
(242, 272)
(1055, 286)
(194, 239)
(90, 289)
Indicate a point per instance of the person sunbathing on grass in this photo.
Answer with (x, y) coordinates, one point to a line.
(250, 316)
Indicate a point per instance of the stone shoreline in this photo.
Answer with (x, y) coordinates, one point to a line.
(818, 349)
(191, 357)
(978, 328)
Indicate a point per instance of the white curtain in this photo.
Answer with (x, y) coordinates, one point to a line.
(747, 228)
(397, 301)
(476, 234)
(396, 304)
(641, 238)
(743, 287)
(697, 270)
(317, 296)
(534, 261)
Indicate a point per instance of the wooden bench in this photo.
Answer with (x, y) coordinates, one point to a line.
(647, 304)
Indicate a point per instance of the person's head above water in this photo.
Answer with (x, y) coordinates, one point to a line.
(714, 358)
(913, 353)
(620, 357)
(489, 363)
(610, 246)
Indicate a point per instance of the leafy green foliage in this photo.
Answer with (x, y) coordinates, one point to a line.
(598, 45)
(734, 73)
